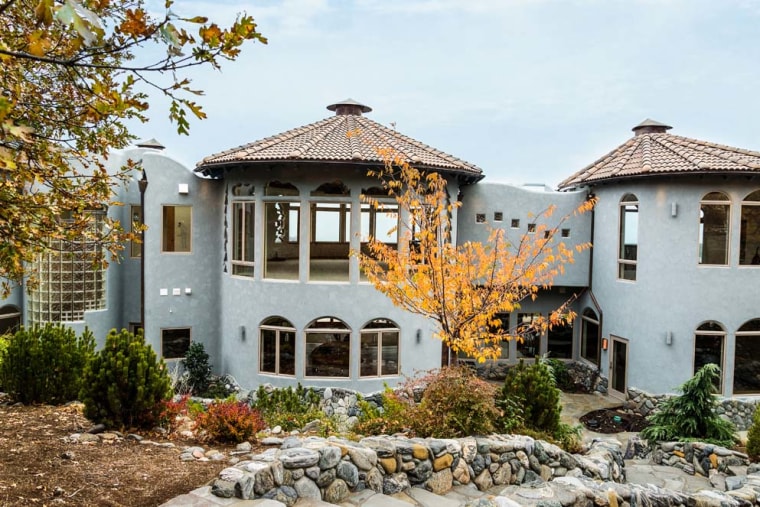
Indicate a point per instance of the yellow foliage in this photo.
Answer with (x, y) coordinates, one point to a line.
(463, 288)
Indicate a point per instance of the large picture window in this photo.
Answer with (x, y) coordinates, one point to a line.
(590, 336)
(175, 342)
(177, 229)
(278, 347)
(749, 253)
(629, 237)
(714, 212)
(330, 233)
(281, 233)
(379, 349)
(328, 348)
(747, 358)
(708, 348)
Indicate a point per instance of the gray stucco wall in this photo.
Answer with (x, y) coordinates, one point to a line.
(525, 204)
(672, 292)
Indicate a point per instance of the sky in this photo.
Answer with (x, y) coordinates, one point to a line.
(530, 91)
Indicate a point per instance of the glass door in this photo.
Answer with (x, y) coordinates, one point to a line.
(619, 366)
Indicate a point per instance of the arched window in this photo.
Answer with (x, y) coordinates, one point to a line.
(629, 237)
(329, 244)
(709, 341)
(379, 348)
(749, 243)
(281, 232)
(243, 223)
(747, 358)
(328, 348)
(590, 341)
(10, 319)
(277, 350)
(714, 212)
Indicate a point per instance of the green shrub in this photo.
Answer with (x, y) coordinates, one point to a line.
(753, 436)
(45, 364)
(692, 416)
(562, 378)
(392, 417)
(288, 408)
(198, 369)
(532, 388)
(125, 383)
(456, 403)
(229, 421)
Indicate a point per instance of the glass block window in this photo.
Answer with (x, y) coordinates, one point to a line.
(71, 279)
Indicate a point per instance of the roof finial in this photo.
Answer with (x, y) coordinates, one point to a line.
(649, 126)
(349, 106)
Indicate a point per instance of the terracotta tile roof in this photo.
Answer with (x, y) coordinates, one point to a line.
(653, 151)
(329, 140)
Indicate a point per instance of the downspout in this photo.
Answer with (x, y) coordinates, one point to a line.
(598, 307)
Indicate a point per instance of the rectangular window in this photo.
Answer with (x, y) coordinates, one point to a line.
(629, 238)
(480, 218)
(281, 240)
(330, 244)
(175, 342)
(515, 224)
(529, 345)
(560, 341)
(379, 353)
(590, 338)
(498, 216)
(565, 233)
(531, 228)
(177, 231)
(278, 347)
(242, 238)
(135, 212)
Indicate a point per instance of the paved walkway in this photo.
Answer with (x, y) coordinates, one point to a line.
(573, 407)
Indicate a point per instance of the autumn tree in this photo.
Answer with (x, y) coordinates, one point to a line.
(74, 72)
(462, 288)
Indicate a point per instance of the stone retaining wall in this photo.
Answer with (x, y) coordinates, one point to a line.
(738, 411)
(331, 469)
(583, 375)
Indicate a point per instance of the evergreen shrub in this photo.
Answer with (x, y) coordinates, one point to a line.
(753, 436)
(44, 364)
(125, 383)
(691, 416)
(198, 369)
(533, 390)
(288, 408)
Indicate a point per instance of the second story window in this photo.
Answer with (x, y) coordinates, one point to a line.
(749, 243)
(177, 229)
(629, 237)
(714, 210)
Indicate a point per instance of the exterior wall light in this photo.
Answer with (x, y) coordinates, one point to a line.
(669, 338)
(605, 343)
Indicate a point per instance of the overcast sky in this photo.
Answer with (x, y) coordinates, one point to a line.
(528, 90)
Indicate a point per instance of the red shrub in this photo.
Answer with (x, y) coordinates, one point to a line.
(230, 421)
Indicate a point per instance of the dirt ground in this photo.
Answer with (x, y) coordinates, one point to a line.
(613, 420)
(37, 467)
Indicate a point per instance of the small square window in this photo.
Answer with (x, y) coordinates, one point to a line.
(547, 234)
(531, 228)
(565, 233)
(515, 223)
(480, 218)
(175, 342)
(498, 216)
